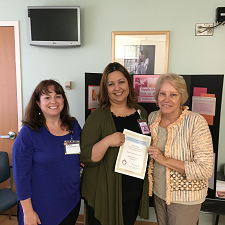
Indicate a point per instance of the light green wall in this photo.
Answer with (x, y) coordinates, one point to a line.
(188, 54)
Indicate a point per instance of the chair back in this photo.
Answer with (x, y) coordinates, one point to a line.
(4, 167)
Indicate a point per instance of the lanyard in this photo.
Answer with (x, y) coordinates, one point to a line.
(71, 134)
(143, 124)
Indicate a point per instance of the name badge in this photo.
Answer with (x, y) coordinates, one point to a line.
(143, 125)
(72, 147)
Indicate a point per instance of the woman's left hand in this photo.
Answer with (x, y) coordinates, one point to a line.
(174, 164)
(156, 154)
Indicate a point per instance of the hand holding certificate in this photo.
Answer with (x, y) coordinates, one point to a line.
(132, 156)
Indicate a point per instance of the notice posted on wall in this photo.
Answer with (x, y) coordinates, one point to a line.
(220, 189)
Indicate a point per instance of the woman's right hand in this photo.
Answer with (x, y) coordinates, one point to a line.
(116, 139)
(113, 140)
(31, 218)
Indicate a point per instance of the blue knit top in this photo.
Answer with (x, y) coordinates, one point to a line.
(45, 174)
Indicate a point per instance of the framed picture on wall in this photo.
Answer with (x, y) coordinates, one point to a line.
(141, 52)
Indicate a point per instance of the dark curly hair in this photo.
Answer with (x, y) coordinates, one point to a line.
(33, 116)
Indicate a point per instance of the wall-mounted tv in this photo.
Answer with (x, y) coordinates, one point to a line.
(54, 25)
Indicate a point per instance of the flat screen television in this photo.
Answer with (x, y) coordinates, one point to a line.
(54, 25)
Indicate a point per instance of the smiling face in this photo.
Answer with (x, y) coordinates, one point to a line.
(169, 99)
(51, 103)
(117, 87)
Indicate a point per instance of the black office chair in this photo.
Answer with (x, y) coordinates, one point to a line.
(8, 198)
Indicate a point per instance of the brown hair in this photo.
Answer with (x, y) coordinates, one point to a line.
(177, 81)
(103, 96)
(33, 116)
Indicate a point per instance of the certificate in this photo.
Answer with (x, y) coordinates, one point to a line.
(132, 157)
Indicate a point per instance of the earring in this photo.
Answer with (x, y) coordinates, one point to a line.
(39, 113)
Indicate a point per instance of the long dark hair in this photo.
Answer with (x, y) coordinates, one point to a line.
(103, 96)
(33, 116)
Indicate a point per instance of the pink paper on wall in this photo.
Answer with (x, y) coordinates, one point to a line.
(208, 118)
(199, 90)
(208, 95)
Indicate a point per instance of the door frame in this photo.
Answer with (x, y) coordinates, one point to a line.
(15, 24)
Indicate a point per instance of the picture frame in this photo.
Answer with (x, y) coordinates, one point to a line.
(128, 48)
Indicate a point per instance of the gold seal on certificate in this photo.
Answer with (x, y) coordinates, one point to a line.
(132, 157)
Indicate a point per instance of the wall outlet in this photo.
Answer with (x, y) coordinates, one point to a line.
(220, 14)
(204, 29)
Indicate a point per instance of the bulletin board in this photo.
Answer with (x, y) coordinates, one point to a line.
(91, 79)
(214, 85)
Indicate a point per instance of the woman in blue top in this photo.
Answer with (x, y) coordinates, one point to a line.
(45, 160)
